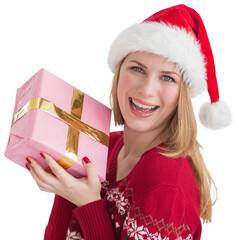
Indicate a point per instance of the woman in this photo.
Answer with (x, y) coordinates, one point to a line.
(157, 184)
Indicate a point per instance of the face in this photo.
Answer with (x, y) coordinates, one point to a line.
(148, 91)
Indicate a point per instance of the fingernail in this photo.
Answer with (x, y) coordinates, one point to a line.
(86, 160)
(27, 158)
(27, 166)
(42, 155)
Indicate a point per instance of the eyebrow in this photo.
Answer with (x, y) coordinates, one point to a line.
(164, 72)
(169, 72)
(140, 64)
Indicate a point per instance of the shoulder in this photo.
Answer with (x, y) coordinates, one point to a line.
(156, 170)
(115, 141)
(155, 191)
(160, 170)
(169, 185)
(114, 137)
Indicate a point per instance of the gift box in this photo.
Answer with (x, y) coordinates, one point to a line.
(52, 116)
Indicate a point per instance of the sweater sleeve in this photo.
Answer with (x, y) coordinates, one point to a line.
(59, 219)
(95, 221)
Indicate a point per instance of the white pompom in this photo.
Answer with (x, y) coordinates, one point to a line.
(216, 115)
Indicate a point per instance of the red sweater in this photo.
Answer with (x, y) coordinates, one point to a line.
(159, 199)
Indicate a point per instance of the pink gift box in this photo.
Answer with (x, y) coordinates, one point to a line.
(38, 130)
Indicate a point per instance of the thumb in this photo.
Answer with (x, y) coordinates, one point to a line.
(90, 170)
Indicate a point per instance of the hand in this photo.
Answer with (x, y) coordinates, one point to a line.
(78, 191)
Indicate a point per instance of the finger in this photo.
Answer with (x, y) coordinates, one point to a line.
(42, 186)
(59, 171)
(41, 174)
(90, 170)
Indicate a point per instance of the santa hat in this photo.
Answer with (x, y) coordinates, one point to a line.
(179, 35)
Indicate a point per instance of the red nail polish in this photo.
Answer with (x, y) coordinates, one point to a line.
(27, 166)
(86, 160)
(42, 155)
(27, 158)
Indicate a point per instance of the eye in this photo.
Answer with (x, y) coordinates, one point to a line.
(137, 69)
(167, 78)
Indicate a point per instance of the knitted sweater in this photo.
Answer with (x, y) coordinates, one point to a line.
(159, 199)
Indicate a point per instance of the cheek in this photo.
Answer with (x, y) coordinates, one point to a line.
(170, 96)
(125, 84)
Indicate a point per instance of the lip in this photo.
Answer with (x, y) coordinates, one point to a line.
(144, 103)
(140, 114)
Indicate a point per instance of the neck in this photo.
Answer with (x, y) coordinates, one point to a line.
(136, 143)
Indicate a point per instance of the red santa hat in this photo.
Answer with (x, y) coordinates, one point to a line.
(179, 35)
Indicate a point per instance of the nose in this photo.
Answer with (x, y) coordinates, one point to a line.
(148, 86)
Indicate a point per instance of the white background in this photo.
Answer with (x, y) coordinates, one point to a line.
(71, 39)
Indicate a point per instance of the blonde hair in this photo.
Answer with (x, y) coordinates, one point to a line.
(181, 132)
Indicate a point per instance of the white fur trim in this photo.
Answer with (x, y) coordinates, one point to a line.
(216, 115)
(170, 42)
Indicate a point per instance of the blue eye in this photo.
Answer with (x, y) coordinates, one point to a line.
(167, 79)
(137, 69)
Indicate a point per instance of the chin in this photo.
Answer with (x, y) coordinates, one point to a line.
(139, 126)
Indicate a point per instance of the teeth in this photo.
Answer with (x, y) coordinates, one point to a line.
(143, 106)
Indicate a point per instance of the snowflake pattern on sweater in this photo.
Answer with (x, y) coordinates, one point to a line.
(130, 224)
(73, 235)
(134, 230)
(121, 202)
(141, 232)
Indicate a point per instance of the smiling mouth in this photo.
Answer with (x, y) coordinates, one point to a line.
(141, 107)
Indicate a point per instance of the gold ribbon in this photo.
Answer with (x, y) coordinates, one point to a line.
(73, 120)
